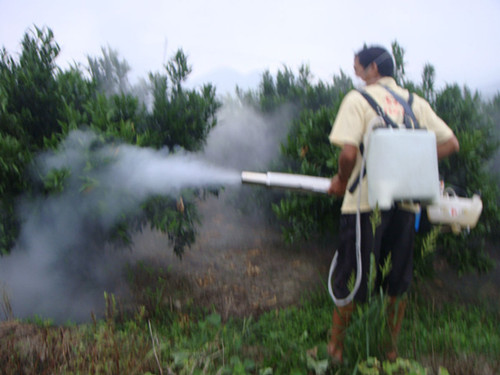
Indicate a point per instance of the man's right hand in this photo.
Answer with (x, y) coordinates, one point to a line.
(337, 187)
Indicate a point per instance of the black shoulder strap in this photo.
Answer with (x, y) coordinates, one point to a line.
(388, 121)
(355, 183)
(410, 100)
(409, 115)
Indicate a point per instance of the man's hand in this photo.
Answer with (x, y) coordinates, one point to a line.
(337, 187)
(447, 148)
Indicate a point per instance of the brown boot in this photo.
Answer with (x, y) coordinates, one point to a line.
(341, 317)
(395, 313)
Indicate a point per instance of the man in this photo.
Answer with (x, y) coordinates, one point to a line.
(395, 233)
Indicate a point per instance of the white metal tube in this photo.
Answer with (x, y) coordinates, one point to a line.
(287, 181)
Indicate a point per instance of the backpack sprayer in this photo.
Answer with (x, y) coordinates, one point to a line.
(401, 165)
(458, 213)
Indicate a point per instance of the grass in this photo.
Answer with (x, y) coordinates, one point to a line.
(462, 339)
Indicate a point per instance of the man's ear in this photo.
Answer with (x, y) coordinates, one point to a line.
(374, 66)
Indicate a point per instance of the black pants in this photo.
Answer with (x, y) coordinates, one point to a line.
(394, 235)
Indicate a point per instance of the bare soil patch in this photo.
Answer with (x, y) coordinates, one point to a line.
(239, 266)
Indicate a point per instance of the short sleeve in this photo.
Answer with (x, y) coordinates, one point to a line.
(429, 119)
(348, 127)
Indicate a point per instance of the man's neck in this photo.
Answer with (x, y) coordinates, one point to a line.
(373, 80)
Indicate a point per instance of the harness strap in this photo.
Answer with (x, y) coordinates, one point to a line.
(388, 121)
(408, 112)
(355, 183)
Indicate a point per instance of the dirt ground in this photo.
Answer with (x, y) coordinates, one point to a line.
(240, 266)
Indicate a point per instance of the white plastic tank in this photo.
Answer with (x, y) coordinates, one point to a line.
(401, 165)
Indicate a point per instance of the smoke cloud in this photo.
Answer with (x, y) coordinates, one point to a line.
(57, 269)
(245, 139)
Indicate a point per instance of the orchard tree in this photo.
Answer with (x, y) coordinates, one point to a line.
(31, 88)
(76, 92)
(29, 103)
(180, 117)
(399, 64)
(13, 160)
(428, 78)
(109, 72)
(40, 105)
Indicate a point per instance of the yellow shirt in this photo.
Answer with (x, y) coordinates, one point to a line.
(356, 116)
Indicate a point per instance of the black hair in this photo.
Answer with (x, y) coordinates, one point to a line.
(379, 56)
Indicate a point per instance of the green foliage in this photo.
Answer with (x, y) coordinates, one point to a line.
(28, 104)
(109, 72)
(372, 366)
(306, 149)
(168, 216)
(180, 117)
(298, 92)
(451, 328)
(425, 248)
(13, 159)
(115, 116)
(289, 338)
(76, 92)
(399, 69)
(367, 331)
(30, 87)
(285, 89)
(428, 77)
(41, 104)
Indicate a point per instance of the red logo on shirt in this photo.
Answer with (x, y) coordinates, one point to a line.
(393, 108)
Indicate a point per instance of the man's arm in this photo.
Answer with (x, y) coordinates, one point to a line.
(347, 161)
(448, 147)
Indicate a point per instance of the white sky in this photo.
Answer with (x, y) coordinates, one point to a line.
(461, 38)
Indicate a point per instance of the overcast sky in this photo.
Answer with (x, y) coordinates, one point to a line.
(461, 38)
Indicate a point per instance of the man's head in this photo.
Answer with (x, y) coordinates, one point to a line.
(372, 63)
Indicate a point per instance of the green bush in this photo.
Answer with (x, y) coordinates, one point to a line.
(40, 105)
